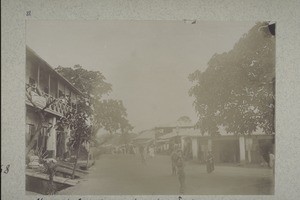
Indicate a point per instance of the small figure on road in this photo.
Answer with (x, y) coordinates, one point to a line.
(272, 161)
(174, 157)
(151, 152)
(210, 163)
(142, 152)
(180, 171)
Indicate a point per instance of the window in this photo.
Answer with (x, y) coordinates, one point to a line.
(31, 81)
(60, 94)
(46, 90)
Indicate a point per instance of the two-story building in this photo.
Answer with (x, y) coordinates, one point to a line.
(45, 86)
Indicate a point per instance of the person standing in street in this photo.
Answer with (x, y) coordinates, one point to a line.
(142, 152)
(174, 157)
(151, 152)
(272, 161)
(180, 172)
(210, 163)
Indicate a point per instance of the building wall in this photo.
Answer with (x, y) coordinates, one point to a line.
(49, 82)
(195, 148)
(32, 68)
(32, 118)
(31, 71)
(203, 149)
(44, 80)
(255, 156)
(67, 91)
(73, 97)
(234, 149)
(32, 121)
(61, 88)
(228, 150)
(53, 86)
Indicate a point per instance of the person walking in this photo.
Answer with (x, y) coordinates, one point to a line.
(272, 161)
(174, 157)
(180, 171)
(151, 152)
(142, 152)
(210, 163)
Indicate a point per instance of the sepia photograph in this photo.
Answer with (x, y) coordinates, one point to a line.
(157, 107)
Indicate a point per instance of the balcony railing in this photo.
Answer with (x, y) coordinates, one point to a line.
(60, 106)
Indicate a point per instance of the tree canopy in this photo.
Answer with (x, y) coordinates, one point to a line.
(90, 83)
(237, 90)
(185, 119)
(81, 129)
(109, 114)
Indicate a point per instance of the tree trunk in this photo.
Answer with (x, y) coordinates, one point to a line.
(76, 159)
(43, 146)
(51, 185)
(88, 159)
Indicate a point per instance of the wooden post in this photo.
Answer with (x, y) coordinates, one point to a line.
(242, 149)
(38, 78)
(209, 145)
(49, 83)
(57, 89)
(77, 156)
(76, 101)
(195, 148)
(51, 142)
(64, 90)
(182, 143)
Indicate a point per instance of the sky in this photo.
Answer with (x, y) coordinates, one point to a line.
(147, 62)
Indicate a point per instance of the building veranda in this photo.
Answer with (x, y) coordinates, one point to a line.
(225, 147)
(49, 98)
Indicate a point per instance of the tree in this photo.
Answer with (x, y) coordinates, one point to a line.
(90, 83)
(109, 114)
(184, 120)
(237, 90)
(79, 122)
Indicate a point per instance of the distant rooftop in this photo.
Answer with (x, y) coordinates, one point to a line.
(176, 124)
(147, 134)
(182, 132)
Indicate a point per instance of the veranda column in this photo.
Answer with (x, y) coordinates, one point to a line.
(38, 77)
(249, 142)
(242, 149)
(195, 148)
(51, 143)
(49, 84)
(68, 135)
(182, 143)
(209, 145)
